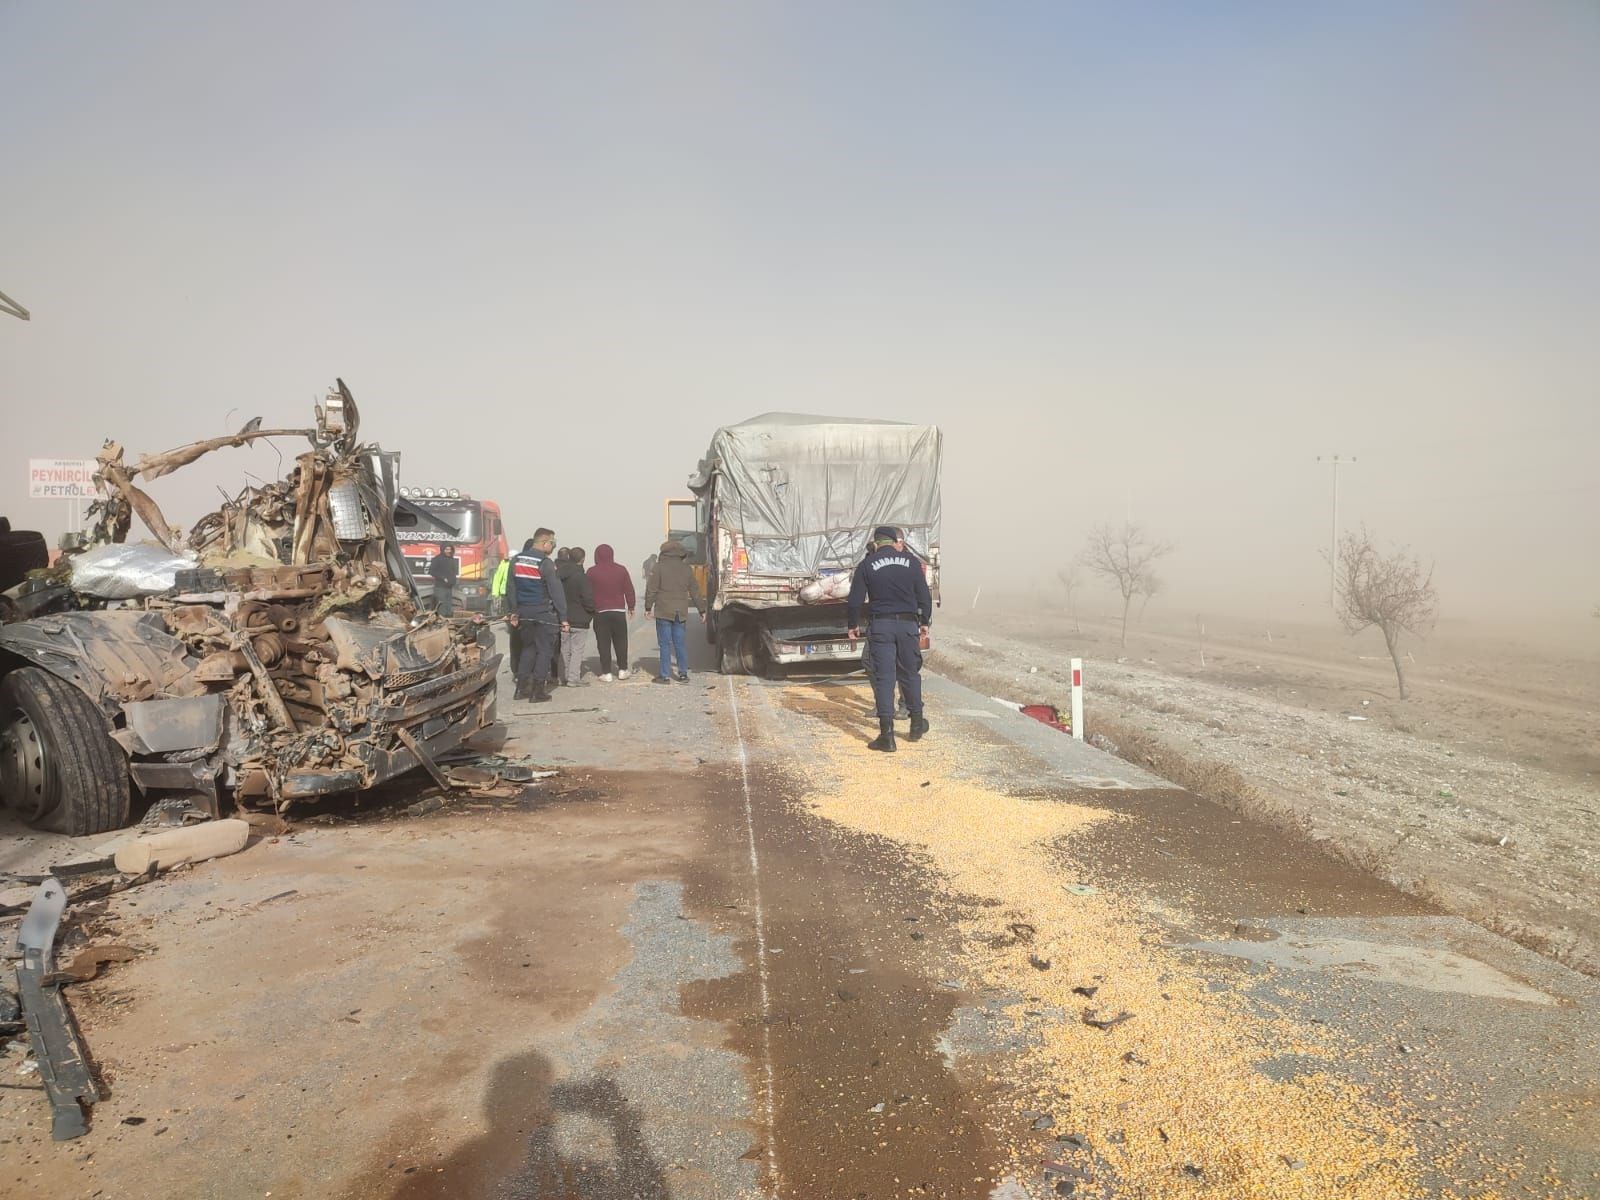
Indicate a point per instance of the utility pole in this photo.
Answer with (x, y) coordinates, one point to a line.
(1333, 529)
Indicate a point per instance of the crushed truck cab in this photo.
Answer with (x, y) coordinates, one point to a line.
(275, 653)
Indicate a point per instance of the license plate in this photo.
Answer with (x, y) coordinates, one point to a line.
(826, 648)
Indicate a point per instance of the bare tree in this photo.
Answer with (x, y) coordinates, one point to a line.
(1392, 591)
(1071, 578)
(1124, 556)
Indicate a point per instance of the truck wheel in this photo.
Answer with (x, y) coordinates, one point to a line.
(736, 651)
(59, 768)
(728, 659)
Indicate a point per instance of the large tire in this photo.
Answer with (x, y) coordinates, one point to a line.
(728, 660)
(59, 768)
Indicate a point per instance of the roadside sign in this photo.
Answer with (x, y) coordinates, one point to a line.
(61, 478)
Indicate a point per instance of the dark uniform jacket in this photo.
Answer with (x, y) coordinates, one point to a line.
(537, 587)
(892, 580)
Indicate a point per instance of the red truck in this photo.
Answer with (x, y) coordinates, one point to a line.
(427, 518)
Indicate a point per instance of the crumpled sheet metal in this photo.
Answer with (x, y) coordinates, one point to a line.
(123, 571)
(115, 657)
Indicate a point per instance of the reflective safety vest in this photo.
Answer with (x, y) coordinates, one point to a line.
(502, 578)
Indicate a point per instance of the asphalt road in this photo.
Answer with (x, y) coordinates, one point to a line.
(729, 953)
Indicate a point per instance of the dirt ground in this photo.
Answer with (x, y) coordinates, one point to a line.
(727, 953)
(1480, 792)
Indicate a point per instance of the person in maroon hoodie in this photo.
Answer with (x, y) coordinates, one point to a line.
(614, 602)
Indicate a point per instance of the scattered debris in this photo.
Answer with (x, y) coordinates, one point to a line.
(1048, 714)
(1081, 889)
(1090, 1017)
(86, 964)
(52, 1034)
(276, 896)
(176, 847)
(1086, 991)
(1022, 932)
(1037, 963)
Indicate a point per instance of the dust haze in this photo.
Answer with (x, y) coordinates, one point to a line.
(1140, 262)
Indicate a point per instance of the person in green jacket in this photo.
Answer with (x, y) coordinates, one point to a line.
(497, 585)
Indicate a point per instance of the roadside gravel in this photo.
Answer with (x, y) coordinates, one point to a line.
(1514, 848)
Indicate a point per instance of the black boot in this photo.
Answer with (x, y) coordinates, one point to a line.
(919, 726)
(541, 693)
(885, 739)
(524, 691)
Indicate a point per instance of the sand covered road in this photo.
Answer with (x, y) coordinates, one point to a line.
(730, 954)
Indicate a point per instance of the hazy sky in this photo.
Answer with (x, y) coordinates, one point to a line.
(1146, 258)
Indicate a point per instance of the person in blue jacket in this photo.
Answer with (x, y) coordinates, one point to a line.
(541, 614)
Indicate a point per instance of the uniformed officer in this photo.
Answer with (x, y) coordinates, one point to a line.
(890, 578)
(541, 611)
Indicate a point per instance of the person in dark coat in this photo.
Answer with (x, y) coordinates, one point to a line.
(669, 595)
(541, 613)
(516, 633)
(891, 579)
(580, 612)
(445, 569)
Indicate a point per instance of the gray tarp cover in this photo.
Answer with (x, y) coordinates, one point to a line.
(807, 491)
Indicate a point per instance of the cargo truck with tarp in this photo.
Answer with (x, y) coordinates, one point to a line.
(782, 509)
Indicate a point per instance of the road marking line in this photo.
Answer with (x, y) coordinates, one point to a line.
(769, 1086)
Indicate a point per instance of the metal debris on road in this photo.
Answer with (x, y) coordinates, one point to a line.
(53, 1036)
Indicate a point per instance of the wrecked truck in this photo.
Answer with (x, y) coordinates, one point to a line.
(783, 506)
(274, 653)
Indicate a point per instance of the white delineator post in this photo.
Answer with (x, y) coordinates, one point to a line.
(1077, 698)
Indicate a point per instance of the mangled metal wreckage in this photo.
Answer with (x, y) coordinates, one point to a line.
(275, 653)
